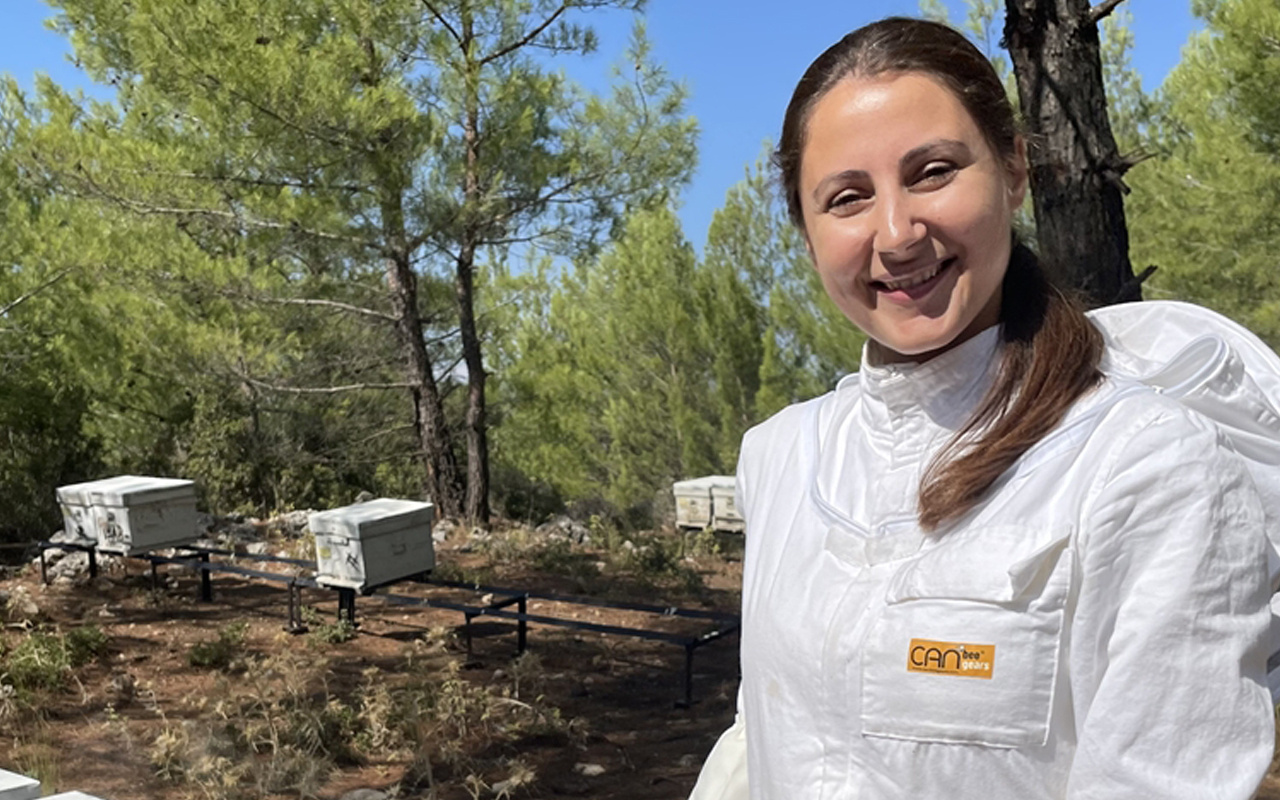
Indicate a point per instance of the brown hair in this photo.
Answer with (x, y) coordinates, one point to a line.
(1051, 351)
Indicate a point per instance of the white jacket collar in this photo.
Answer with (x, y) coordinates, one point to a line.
(945, 389)
(875, 437)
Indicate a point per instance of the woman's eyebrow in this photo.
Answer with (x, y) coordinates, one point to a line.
(928, 148)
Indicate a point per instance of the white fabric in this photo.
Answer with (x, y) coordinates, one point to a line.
(1118, 570)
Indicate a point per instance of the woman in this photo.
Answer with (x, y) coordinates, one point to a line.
(983, 566)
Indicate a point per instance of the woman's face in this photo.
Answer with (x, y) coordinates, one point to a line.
(907, 212)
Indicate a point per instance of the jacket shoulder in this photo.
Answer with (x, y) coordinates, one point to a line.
(783, 428)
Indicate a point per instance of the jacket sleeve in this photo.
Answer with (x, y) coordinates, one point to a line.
(724, 773)
(1168, 642)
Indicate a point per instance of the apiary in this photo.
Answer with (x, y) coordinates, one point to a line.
(370, 544)
(76, 503)
(142, 513)
(724, 509)
(18, 787)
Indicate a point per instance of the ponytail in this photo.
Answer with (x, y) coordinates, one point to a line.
(1050, 360)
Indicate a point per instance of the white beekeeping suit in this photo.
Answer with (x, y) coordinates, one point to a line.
(1097, 627)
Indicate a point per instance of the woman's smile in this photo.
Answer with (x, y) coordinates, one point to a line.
(914, 285)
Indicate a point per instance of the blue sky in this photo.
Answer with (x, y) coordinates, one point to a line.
(739, 58)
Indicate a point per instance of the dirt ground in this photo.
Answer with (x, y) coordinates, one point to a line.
(621, 693)
(630, 738)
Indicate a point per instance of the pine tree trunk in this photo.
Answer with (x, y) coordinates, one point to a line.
(477, 502)
(1076, 169)
(428, 410)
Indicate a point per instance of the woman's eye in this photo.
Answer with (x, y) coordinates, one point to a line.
(846, 200)
(936, 174)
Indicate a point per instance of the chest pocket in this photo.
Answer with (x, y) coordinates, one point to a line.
(967, 649)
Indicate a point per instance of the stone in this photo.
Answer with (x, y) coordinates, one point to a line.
(20, 607)
(122, 686)
(589, 770)
(62, 537)
(364, 794)
(67, 564)
(565, 527)
(292, 524)
(445, 528)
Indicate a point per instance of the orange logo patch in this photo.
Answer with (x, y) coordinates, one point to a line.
(951, 658)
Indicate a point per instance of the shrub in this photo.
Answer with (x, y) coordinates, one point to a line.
(221, 653)
(44, 660)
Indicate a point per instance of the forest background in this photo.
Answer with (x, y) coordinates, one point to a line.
(307, 249)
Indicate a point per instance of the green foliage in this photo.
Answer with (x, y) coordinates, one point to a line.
(1205, 211)
(45, 660)
(84, 644)
(228, 222)
(606, 394)
(222, 653)
(335, 632)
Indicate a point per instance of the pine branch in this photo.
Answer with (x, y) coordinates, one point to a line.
(444, 22)
(272, 183)
(351, 387)
(526, 39)
(306, 301)
(140, 207)
(6, 309)
(1102, 10)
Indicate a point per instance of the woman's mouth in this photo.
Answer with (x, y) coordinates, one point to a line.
(917, 284)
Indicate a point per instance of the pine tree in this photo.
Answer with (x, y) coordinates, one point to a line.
(362, 161)
(1206, 209)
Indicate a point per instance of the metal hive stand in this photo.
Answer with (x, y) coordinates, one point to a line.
(200, 560)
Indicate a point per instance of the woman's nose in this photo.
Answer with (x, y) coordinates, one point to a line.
(897, 228)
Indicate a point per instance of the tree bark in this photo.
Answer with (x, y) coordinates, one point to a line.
(477, 499)
(428, 410)
(477, 502)
(1076, 169)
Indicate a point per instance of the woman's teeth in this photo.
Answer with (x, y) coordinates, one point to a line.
(915, 279)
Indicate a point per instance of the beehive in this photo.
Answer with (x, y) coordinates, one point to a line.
(707, 503)
(143, 514)
(18, 787)
(693, 501)
(724, 508)
(371, 544)
(76, 504)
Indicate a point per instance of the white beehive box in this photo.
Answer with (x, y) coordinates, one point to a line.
(370, 544)
(18, 787)
(724, 508)
(693, 501)
(76, 503)
(144, 514)
(72, 796)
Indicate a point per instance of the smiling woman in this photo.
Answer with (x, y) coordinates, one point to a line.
(990, 564)
(909, 227)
